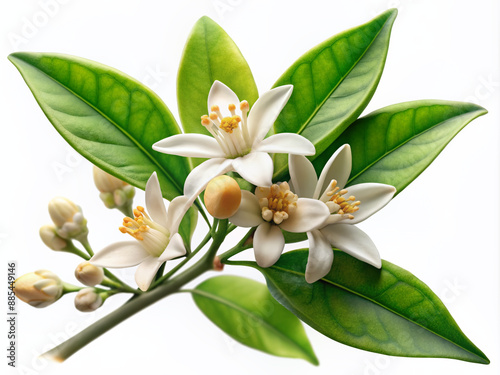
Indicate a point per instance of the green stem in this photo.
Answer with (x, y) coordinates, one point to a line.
(74, 250)
(184, 261)
(85, 243)
(137, 303)
(126, 210)
(70, 288)
(119, 286)
(245, 243)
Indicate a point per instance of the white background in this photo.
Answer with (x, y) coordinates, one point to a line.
(443, 227)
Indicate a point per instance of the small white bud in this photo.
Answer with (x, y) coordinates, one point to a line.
(68, 218)
(39, 289)
(105, 182)
(114, 192)
(51, 239)
(89, 274)
(87, 300)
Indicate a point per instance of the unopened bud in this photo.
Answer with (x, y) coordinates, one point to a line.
(222, 197)
(68, 218)
(50, 238)
(39, 289)
(87, 300)
(105, 182)
(89, 274)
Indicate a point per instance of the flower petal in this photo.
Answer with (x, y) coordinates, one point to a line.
(176, 211)
(256, 168)
(268, 244)
(222, 96)
(190, 145)
(120, 254)
(320, 259)
(353, 241)
(249, 213)
(265, 111)
(199, 177)
(174, 249)
(372, 196)
(286, 143)
(310, 214)
(303, 176)
(154, 201)
(337, 168)
(146, 272)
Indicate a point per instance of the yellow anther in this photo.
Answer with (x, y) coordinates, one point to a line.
(244, 106)
(228, 124)
(346, 205)
(231, 107)
(205, 120)
(214, 108)
(277, 202)
(213, 116)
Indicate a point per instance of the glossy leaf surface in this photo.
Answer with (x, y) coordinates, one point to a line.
(387, 311)
(245, 310)
(109, 118)
(333, 83)
(393, 145)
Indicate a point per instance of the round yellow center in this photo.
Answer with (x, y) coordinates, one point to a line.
(277, 202)
(228, 124)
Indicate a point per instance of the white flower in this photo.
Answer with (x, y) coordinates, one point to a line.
(238, 142)
(156, 236)
(347, 207)
(272, 209)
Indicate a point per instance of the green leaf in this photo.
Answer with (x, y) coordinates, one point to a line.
(245, 310)
(109, 118)
(210, 55)
(332, 84)
(386, 311)
(395, 144)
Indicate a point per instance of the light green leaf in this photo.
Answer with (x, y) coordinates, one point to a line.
(386, 311)
(210, 55)
(245, 310)
(395, 144)
(109, 118)
(333, 83)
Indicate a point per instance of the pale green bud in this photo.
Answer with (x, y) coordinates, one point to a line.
(68, 218)
(50, 238)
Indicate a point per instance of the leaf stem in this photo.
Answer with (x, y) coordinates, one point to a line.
(245, 243)
(139, 302)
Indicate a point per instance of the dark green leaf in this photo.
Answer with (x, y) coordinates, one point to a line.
(395, 144)
(386, 311)
(333, 83)
(109, 118)
(210, 55)
(245, 310)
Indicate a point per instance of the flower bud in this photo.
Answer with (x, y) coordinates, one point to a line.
(40, 288)
(68, 218)
(51, 239)
(114, 192)
(222, 197)
(88, 300)
(89, 274)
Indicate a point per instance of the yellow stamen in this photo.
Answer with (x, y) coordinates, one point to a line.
(276, 202)
(347, 206)
(228, 124)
